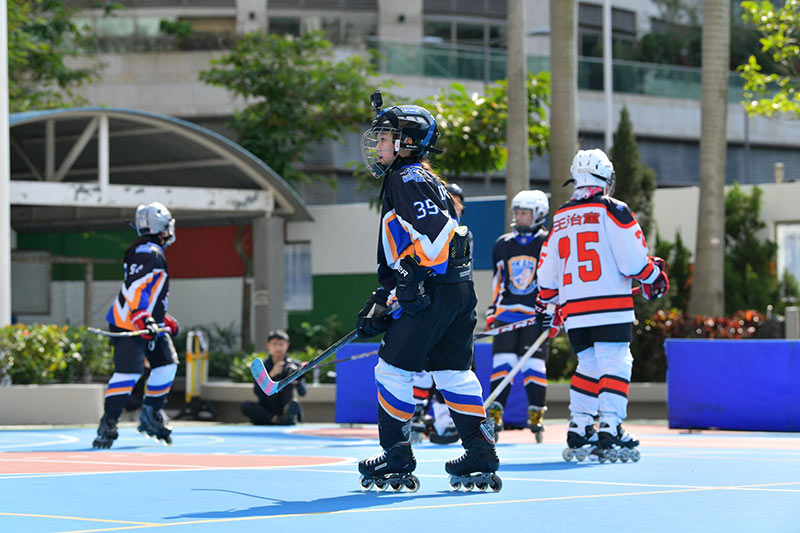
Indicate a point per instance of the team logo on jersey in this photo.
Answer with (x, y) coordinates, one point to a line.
(522, 268)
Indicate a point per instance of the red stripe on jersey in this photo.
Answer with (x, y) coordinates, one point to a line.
(646, 271)
(614, 384)
(597, 305)
(547, 294)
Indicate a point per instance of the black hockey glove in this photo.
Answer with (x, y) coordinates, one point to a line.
(372, 319)
(410, 294)
(543, 318)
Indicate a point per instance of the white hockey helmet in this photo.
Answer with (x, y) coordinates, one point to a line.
(537, 202)
(155, 219)
(592, 168)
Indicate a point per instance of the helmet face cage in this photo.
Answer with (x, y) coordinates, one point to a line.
(538, 204)
(155, 219)
(402, 122)
(369, 149)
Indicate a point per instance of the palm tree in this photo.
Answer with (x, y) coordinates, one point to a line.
(708, 286)
(564, 97)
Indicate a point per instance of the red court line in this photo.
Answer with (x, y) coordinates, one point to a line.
(72, 462)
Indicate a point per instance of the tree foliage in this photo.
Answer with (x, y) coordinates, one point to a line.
(751, 280)
(772, 81)
(473, 126)
(41, 38)
(295, 95)
(636, 182)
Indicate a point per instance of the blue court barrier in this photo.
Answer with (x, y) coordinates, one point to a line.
(733, 384)
(356, 394)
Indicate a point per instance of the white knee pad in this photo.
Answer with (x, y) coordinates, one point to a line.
(121, 383)
(587, 363)
(461, 390)
(614, 358)
(160, 381)
(423, 380)
(395, 390)
(502, 363)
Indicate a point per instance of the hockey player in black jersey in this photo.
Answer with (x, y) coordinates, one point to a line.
(142, 305)
(514, 259)
(424, 265)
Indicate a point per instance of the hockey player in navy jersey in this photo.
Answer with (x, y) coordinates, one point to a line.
(142, 305)
(592, 253)
(424, 265)
(514, 259)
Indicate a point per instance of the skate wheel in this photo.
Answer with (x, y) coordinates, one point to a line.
(624, 455)
(635, 455)
(495, 483)
(365, 483)
(482, 486)
(581, 454)
(539, 437)
(602, 457)
(468, 485)
(568, 454)
(412, 483)
(381, 485)
(396, 484)
(613, 455)
(455, 485)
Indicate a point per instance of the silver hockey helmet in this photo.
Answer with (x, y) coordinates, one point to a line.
(592, 168)
(155, 219)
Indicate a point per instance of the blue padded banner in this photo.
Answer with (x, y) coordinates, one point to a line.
(356, 393)
(733, 384)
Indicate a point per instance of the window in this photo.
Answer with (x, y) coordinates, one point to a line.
(285, 25)
(297, 276)
(590, 30)
(30, 278)
(788, 237)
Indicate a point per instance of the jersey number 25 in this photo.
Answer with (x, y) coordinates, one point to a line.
(593, 271)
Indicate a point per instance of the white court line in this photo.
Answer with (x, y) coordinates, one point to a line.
(66, 439)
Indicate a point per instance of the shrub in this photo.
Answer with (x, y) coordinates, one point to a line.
(38, 354)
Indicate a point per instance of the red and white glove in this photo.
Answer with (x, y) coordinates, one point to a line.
(143, 320)
(171, 324)
(557, 323)
(660, 285)
(490, 318)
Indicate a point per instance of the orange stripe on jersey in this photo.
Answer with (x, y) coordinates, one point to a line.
(425, 261)
(119, 390)
(396, 254)
(614, 384)
(584, 384)
(466, 408)
(597, 305)
(397, 413)
(499, 375)
(535, 379)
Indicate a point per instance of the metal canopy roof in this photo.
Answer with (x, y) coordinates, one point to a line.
(65, 161)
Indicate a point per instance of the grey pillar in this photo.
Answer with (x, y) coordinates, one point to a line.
(268, 281)
(251, 15)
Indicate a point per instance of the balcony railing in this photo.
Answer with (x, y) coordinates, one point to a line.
(489, 64)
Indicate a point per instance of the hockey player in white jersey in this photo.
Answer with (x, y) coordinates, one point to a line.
(594, 250)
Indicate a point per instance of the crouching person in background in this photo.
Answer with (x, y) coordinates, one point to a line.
(282, 408)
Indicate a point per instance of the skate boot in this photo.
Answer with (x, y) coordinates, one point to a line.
(580, 446)
(106, 432)
(535, 416)
(495, 412)
(617, 445)
(392, 468)
(477, 467)
(152, 421)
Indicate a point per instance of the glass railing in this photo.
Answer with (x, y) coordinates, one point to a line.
(489, 64)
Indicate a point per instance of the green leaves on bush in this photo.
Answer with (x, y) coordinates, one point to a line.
(38, 354)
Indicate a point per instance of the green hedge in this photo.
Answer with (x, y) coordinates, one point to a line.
(42, 353)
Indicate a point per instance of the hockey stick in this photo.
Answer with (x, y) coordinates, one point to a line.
(124, 333)
(505, 329)
(351, 358)
(270, 387)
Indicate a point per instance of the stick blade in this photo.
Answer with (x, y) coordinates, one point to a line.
(261, 376)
